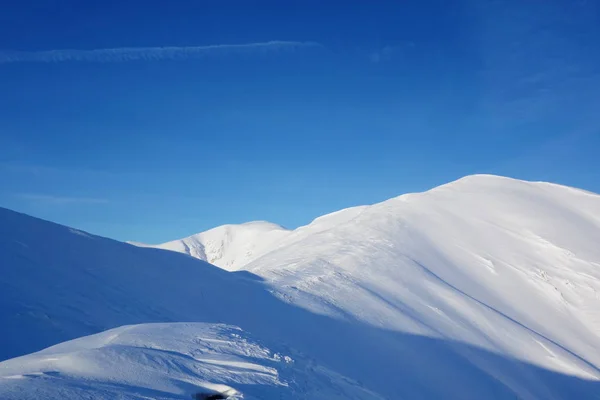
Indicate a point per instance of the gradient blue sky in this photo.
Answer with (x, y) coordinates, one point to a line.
(387, 98)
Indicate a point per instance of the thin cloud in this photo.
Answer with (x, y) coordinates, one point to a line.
(386, 53)
(124, 54)
(60, 200)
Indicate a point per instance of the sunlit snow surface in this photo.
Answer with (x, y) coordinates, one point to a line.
(170, 361)
(486, 287)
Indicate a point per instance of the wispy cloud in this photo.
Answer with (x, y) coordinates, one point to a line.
(59, 200)
(386, 53)
(124, 54)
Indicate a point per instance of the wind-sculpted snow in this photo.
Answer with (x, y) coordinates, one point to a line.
(170, 361)
(483, 288)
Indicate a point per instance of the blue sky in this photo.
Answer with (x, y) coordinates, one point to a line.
(284, 111)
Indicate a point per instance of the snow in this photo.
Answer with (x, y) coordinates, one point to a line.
(486, 287)
(231, 247)
(228, 246)
(495, 262)
(170, 361)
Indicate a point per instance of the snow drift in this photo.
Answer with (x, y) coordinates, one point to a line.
(171, 361)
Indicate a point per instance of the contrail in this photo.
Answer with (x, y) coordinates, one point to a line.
(124, 54)
(60, 200)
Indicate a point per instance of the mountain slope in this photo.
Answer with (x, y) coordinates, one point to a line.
(507, 265)
(58, 283)
(482, 288)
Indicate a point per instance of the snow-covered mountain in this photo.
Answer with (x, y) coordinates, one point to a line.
(486, 287)
(503, 264)
(229, 246)
(232, 246)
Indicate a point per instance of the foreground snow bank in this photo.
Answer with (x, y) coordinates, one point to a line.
(170, 361)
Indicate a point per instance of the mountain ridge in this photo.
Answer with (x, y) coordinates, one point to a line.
(193, 245)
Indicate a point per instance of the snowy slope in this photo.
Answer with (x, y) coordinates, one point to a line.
(170, 361)
(231, 247)
(228, 246)
(506, 265)
(59, 283)
(486, 287)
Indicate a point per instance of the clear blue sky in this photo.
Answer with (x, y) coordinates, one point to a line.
(360, 103)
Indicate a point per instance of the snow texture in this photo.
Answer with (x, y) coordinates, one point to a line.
(170, 361)
(486, 287)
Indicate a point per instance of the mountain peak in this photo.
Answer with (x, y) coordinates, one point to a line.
(229, 246)
(262, 225)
